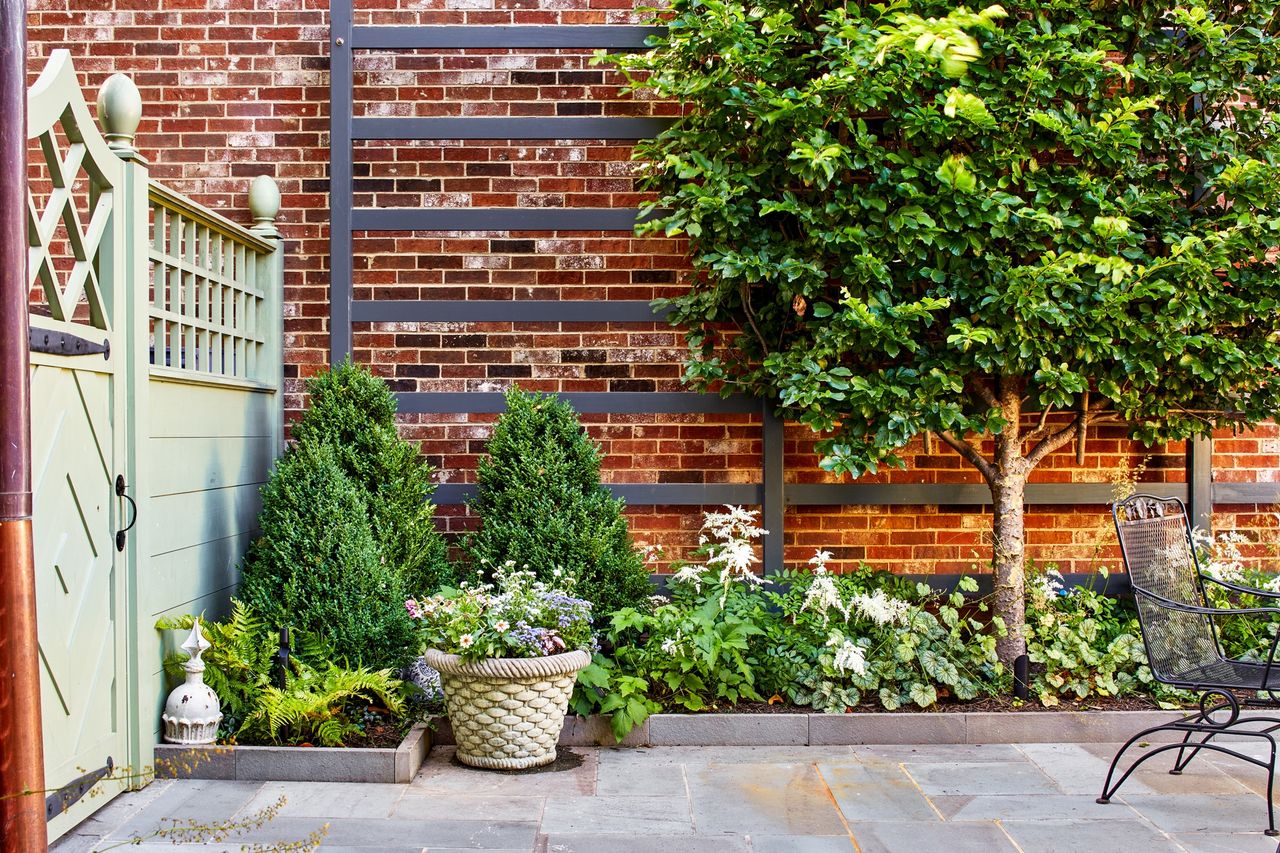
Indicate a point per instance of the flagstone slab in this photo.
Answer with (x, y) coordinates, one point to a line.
(631, 815)
(1007, 807)
(419, 805)
(1201, 812)
(323, 799)
(875, 793)
(771, 799)
(980, 777)
(803, 844)
(1052, 836)
(613, 843)
(917, 837)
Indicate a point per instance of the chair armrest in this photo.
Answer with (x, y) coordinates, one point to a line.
(1265, 593)
(1204, 611)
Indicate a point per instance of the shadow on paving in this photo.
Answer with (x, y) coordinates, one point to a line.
(1035, 798)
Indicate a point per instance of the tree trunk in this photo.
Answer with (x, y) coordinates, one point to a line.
(1009, 541)
(1008, 489)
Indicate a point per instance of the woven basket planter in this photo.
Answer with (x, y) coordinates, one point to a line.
(507, 713)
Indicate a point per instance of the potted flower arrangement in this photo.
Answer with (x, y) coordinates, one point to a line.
(508, 653)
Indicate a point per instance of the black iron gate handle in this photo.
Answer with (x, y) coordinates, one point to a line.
(121, 534)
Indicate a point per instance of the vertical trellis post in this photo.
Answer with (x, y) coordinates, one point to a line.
(774, 509)
(1200, 483)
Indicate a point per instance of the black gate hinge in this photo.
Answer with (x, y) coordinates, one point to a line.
(71, 793)
(64, 343)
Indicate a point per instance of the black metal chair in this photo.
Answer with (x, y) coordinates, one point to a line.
(1181, 638)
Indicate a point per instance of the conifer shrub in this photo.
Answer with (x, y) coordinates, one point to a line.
(317, 567)
(354, 412)
(540, 503)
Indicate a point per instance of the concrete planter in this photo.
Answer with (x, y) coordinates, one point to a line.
(296, 764)
(850, 729)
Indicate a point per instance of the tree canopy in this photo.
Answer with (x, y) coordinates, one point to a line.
(984, 225)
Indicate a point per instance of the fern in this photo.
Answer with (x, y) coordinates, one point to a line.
(315, 705)
(318, 696)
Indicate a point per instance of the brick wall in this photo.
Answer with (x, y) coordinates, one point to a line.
(237, 88)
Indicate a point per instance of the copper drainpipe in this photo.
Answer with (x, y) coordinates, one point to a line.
(22, 822)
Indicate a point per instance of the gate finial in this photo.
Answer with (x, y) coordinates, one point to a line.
(264, 206)
(119, 112)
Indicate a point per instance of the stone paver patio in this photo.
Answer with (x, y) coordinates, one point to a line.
(1036, 798)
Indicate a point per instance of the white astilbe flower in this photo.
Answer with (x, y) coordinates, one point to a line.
(1227, 562)
(822, 594)
(670, 646)
(736, 523)
(1049, 585)
(879, 608)
(850, 657)
(690, 574)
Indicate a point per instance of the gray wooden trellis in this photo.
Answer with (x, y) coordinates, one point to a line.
(770, 493)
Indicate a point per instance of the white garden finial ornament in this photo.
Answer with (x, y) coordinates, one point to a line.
(193, 712)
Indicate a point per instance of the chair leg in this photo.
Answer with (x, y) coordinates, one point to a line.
(1271, 781)
(1107, 788)
(1178, 763)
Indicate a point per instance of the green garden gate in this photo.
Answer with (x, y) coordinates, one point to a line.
(156, 386)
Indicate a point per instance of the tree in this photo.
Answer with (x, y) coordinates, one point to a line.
(999, 229)
(317, 566)
(354, 412)
(540, 503)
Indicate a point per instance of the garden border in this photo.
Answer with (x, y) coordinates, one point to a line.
(924, 728)
(296, 764)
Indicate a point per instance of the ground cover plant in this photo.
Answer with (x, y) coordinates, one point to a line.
(541, 506)
(998, 228)
(724, 635)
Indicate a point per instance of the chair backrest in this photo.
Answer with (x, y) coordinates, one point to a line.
(1155, 540)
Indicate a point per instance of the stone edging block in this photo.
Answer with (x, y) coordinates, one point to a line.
(296, 764)
(850, 729)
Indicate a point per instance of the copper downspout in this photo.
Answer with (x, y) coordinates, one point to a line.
(22, 823)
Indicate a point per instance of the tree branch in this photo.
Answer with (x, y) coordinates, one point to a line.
(987, 394)
(1041, 429)
(970, 453)
(1055, 440)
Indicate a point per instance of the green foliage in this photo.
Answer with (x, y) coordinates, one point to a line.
(695, 652)
(940, 221)
(896, 217)
(541, 505)
(1083, 643)
(880, 637)
(316, 566)
(321, 702)
(1221, 558)
(319, 705)
(353, 411)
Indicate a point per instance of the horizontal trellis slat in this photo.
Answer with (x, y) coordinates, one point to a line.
(463, 37)
(640, 494)
(550, 127)
(494, 219)
(506, 310)
(587, 402)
